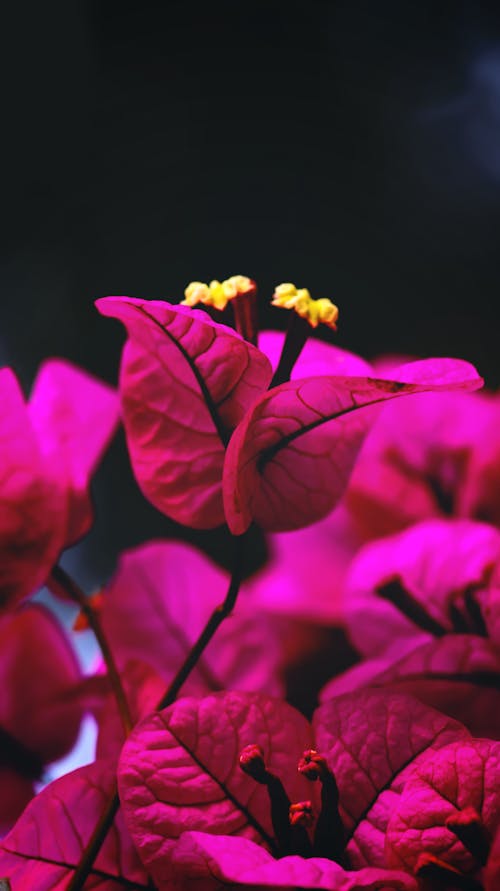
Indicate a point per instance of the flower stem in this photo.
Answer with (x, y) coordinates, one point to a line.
(296, 336)
(60, 579)
(95, 842)
(219, 614)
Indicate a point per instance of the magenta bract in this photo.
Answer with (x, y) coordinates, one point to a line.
(49, 449)
(289, 460)
(185, 383)
(432, 456)
(43, 849)
(448, 567)
(222, 860)
(156, 606)
(461, 775)
(179, 769)
(459, 674)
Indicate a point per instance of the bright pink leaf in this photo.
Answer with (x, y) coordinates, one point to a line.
(461, 775)
(185, 382)
(289, 460)
(31, 532)
(46, 844)
(179, 771)
(74, 415)
(222, 860)
(444, 565)
(371, 741)
(459, 674)
(158, 603)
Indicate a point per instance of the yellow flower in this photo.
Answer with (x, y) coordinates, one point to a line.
(217, 294)
(315, 312)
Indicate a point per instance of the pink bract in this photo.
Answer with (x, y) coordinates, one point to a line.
(158, 603)
(447, 566)
(372, 739)
(48, 448)
(74, 416)
(179, 769)
(459, 674)
(222, 860)
(185, 383)
(46, 844)
(289, 460)
(459, 776)
(440, 452)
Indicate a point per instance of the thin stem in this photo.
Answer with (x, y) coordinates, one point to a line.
(406, 603)
(219, 614)
(95, 842)
(246, 316)
(296, 336)
(62, 580)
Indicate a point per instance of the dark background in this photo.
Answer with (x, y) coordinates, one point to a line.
(352, 147)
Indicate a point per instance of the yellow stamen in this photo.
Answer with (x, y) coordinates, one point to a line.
(217, 294)
(315, 312)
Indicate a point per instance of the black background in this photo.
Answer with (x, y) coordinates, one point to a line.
(352, 147)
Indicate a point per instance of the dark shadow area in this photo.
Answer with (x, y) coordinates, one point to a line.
(349, 147)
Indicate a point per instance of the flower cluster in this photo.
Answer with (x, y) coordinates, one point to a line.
(377, 488)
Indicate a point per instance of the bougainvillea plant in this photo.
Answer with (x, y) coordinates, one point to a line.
(203, 774)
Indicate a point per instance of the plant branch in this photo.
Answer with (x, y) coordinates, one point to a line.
(219, 614)
(61, 579)
(95, 842)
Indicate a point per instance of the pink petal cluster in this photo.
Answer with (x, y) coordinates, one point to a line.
(192, 388)
(382, 514)
(179, 772)
(450, 568)
(423, 605)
